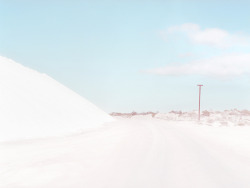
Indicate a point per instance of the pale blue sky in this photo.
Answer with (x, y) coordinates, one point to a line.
(111, 52)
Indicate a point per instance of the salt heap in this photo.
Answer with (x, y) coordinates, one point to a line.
(34, 105)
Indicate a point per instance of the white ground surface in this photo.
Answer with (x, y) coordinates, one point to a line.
(134, 153)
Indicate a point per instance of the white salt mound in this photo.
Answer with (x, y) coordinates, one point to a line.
(34, 105)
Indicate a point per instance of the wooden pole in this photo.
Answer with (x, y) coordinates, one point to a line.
(199, 116)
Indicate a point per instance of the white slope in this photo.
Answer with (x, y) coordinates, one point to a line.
(34, 105)
(132, 154)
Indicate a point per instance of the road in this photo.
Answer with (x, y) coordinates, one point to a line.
(131, 154)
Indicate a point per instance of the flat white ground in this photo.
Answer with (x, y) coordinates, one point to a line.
(132, 154)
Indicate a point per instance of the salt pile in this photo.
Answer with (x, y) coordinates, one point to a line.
(34, 105)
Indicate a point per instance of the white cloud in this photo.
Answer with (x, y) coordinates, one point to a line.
(210, 36)
(230, 65)
(213, 37)
(187, 27)
(184, 55)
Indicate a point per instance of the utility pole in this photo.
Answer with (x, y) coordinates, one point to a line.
(199, 102)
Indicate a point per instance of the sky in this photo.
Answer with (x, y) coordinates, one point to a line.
(136, 55)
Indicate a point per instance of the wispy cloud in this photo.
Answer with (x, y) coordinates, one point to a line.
(225, 66)
(184, 55)
(210, 36)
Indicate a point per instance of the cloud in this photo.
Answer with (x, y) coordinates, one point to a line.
(214, 37)
(184, 55)
(187, 27)
(230, 65)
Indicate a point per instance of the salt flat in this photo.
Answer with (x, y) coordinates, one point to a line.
(131, 153)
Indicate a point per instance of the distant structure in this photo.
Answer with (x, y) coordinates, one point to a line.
(199, 116)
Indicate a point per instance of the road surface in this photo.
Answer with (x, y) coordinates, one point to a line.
(144, 153)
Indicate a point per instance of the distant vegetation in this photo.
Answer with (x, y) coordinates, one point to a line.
(133, 114)
(226, 117)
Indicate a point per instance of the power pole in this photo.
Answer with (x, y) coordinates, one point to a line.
(199, 117)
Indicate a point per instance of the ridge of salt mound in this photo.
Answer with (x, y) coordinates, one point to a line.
(34, 105)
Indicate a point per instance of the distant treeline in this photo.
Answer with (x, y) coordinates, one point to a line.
(180, 113)
(133, 114)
